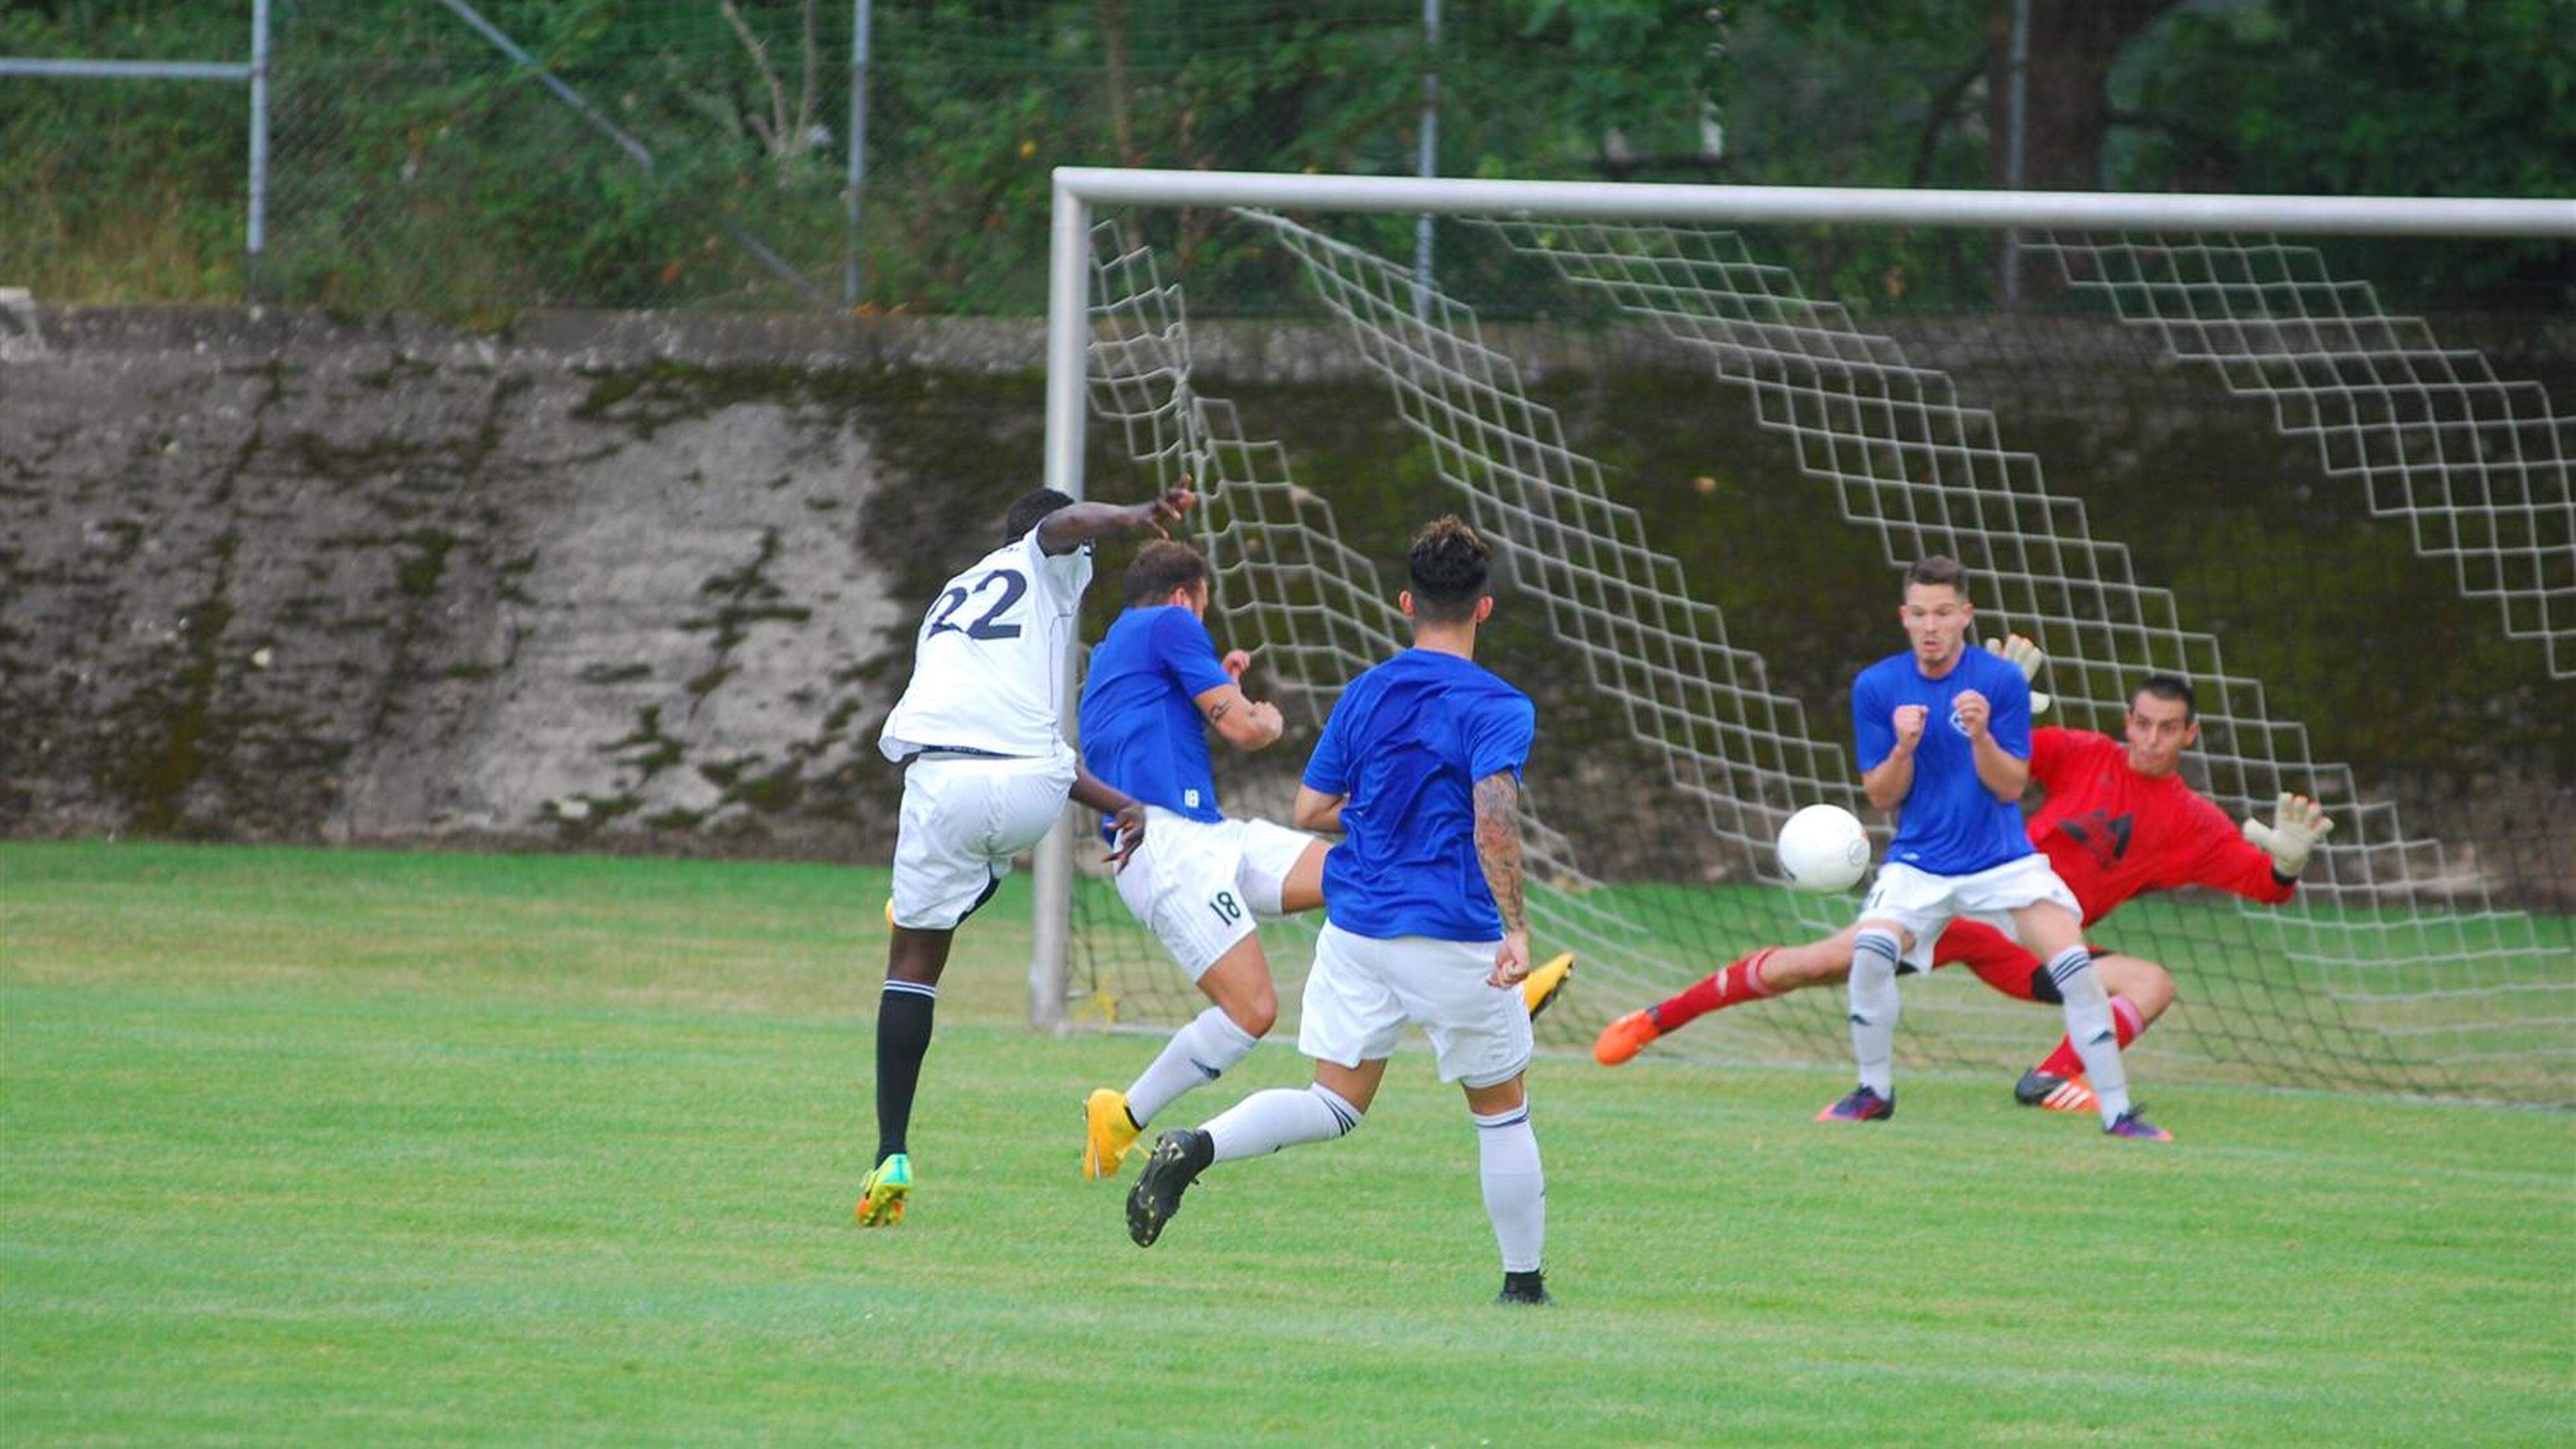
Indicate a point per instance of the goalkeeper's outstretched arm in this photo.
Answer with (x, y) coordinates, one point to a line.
(2260, 862)
(2298, 824)
(2023, 653)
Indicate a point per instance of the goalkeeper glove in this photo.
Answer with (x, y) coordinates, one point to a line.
(2021, 653)
(2298, 823)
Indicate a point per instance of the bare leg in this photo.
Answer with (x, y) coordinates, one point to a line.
(1240, 985)
(1205, 1048)
(1355, 1085)
(917, 956)
(1816, 963)
(2142, 983)
(1303, 890)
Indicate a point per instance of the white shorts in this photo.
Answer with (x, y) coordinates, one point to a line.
(1197, 885)
(963, 819)
(1923, 903)
(1363, 990)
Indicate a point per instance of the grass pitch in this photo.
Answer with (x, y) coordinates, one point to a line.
(306, 1146)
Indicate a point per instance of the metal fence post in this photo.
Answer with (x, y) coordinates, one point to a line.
(635, 150)
(256, 251)
(1428, 163)
(850, 271)
(2016, 114)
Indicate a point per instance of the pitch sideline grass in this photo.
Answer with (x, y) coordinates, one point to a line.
(307, 1145)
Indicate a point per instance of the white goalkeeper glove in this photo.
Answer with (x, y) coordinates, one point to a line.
(2298, 823)
(2023, 654)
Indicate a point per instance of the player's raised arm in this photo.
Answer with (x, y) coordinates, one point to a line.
(1498, 850)
(2298, 824)
(1076, 524)
(1246, 724)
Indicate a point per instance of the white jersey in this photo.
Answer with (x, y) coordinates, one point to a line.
(988, 666)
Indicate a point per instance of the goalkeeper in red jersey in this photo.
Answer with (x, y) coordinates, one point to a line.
(2118, 822)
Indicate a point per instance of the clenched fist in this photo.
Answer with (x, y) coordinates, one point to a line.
(1972, 711)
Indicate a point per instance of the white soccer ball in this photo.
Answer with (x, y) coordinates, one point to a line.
(1824, 849)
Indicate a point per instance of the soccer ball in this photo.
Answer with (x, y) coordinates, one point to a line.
(1824, 849)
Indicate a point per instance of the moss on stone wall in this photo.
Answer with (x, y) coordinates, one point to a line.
(436, 535)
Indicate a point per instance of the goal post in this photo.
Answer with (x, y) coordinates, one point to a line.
(2392, 975)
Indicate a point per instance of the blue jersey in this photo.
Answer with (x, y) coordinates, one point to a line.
(1406, 743)
(1949, 823)
(1140, 730)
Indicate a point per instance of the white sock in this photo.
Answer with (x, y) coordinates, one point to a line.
(2089, 1026)
(1280, 1117)
(1196, 1055)
(1874, 1008)
(1515, 1186)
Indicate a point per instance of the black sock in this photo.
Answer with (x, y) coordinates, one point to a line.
(903, 1038)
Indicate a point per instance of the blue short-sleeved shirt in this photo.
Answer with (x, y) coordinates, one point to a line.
(1949, 824)
(1140, 730)
(1406, 743)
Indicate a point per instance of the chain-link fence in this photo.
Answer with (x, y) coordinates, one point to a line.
(478, 160)
(473, 158)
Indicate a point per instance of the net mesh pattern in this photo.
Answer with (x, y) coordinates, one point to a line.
(2392, 971)
(2475, 466)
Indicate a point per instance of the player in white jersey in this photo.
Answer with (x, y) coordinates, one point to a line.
(980, 737)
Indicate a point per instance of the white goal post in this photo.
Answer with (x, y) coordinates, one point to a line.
(1506, 205)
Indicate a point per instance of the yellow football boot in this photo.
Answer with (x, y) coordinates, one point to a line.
(1107, 1134)
(882, 1195)
(1541, 987)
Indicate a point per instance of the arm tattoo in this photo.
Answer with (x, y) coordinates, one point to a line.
(1498, 846)
(1217, 710)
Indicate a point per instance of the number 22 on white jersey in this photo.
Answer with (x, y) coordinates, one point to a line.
(988, 663)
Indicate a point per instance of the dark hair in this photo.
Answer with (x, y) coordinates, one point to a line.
(1448, 567)
(1032, 506)
(1161, 566)
(1940, 569)
(2171, 688)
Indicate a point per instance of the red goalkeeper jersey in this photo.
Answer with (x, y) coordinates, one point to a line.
(2112, 833)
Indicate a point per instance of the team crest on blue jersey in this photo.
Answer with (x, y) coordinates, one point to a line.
(1957, 723)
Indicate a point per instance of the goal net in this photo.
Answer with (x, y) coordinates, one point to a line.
(1706, 472)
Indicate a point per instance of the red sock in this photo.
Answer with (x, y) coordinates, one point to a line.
(1737, 981)
(2125, 1020)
